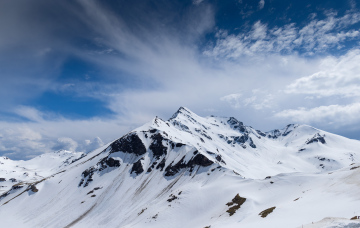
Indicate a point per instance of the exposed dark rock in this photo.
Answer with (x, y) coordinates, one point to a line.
(219, 159)
(33, 188)
(157, 146)
(171, 170)
(153, 131)
(142, 211)
(130, 143)
(12, 180)
(199, 160)
(181, 126)
(179, 144)
(2, 179)
(203, 133)
(14, 187)
(266, 212)
(242, 139)
(87, 175)
(251, 143)
(236, 125)
(161, 165)
(172, 197)
(137, 167)
(287, 131)
(316, 138)
(261, 133)
(108, 162)
(236, 203)
(77, 159)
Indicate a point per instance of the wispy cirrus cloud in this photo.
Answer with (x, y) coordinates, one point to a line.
(149, 62)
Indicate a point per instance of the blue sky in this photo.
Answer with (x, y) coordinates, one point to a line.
(77, 74)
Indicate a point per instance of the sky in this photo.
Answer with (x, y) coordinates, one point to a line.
(76, 74)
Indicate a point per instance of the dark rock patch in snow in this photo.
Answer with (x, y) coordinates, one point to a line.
(137, 167)
(266, 212)
(316, 138)
(236, 125)
(157, 146)
(172, 198)
(161, 165)
(235, 204)
(199, 160)
(33, 188)
(130, 143)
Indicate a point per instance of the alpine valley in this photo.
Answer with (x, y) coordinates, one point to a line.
(190, 171)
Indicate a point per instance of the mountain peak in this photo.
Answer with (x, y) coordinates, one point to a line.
(157, 172)
(182, 110)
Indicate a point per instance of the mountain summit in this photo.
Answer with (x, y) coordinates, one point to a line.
(191, 171)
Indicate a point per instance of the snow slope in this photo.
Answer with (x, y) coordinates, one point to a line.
(192, 171)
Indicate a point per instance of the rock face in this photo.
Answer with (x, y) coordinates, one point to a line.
(137, 168)
(197, 160)
(130, 143)
(157, 146)
(316, 138)
(87, 175)
(236, 125)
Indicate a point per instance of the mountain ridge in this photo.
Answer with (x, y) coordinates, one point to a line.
(151, 174)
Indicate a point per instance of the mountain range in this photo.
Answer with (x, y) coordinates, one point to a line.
(190, 171)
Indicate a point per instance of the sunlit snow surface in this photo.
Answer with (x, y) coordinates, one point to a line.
(308, 175)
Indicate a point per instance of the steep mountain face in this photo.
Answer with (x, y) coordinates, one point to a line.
(195, 172)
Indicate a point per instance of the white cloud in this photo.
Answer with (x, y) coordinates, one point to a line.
(65, 144)
(166, 71)
(261, 4)
(338, 77)
(258, 100)
(317, 36)
(90, 145)
(335, 115)
(233, 99)
(29, 113)
(16, 141)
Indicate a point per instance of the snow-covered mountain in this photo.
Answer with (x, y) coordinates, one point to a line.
(190, 171)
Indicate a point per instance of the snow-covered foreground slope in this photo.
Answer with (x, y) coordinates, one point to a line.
(191, 171)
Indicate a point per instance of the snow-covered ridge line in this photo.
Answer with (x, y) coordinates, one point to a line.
(167, 171)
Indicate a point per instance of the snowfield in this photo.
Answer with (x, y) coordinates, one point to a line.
(190, 171)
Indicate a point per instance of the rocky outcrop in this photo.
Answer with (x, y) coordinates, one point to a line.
(236, 125)
(157, 146)
(137, 167)
(130, 143)
(316, 138)
(87, 175)
(197, 160)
